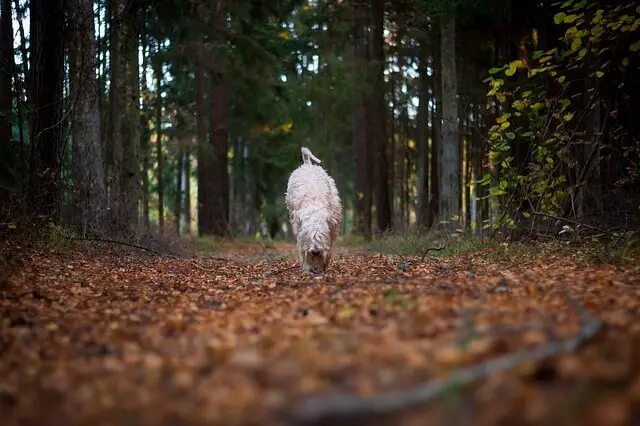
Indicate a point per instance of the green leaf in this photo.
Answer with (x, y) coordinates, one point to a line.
(599, 74)
(568, 117)
(510, 135)
(559, 18)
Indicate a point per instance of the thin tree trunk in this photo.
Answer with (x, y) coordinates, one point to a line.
(218, 131)
(436, 139)
(450, 154)
(131, 126)
(378, 123)
(145, 138)
(422, 173)
(89, 192)
(361, 147)
(179, 188)
(47, 60)
(186, 191)
(117, 104)
(204, 149)
(6, 73)
(159, 144)
(20, 12)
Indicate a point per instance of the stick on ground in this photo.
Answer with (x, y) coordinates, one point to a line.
(342, 408)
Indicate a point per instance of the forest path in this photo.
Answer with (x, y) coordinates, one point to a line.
(243, 338)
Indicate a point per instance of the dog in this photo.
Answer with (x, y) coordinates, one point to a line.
(315, 213)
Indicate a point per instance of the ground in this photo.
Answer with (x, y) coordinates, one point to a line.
(120, 337)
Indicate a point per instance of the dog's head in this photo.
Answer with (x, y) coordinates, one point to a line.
(314, 241)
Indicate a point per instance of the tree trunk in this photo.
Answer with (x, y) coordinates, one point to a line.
(378, 123)
(131, 126)
(436, 139)
(218, 130)
(117, 104)
(450, 154)
(157, 67)
(47, 60)
(186, 192)
(145, 139)
(361, 146)
(204, 149)
(6, 74)
(590, 192)
(179, 196)
(89, 192)
(422, 173)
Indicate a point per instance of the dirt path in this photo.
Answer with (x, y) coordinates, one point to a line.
(136, 340)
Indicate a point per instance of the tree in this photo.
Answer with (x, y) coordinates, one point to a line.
(378, 123)
(47, 71)
(90, 197)
(449, 154)
(218, 126)
(361, 131)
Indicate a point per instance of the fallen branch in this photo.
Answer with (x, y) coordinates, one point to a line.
(345, 408)
(572, 222)
(424, 255)
(122, 243)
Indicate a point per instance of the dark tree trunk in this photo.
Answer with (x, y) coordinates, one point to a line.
(436, 138)
(159, 145)
(422, 173)
(361, 136)
(89, 193)
(47, 60)
(6, 74)
(450, 153)
(378, 123)
(218, 131)
(145, 139)
(131, 124)
(204, 149)
(117, 103)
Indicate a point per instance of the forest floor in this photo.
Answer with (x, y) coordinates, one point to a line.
(120, 337)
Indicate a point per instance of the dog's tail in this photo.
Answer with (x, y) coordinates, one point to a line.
(307, 156)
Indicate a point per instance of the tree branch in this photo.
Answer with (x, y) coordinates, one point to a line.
(122, 243)
(335, 409)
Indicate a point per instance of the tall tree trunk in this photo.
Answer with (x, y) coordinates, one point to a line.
(131, 124)
(436, 138)
(145, 138)
(361, 136)
(117, 104)
(422, 173)
(378, 123)
(47, 60)
(218, 131)
(157, 67)
(186, 192)
(204, 149)
(450, 154)
(178, 182)
(89, 192)
(590, 192)
(6, 74)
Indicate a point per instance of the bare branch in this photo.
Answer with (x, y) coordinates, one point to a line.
(335, 409)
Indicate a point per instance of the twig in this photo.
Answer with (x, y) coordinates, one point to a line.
(335, 409)
(572, 222)
(122, 243)
(424, 255)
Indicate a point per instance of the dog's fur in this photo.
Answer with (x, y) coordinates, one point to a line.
(315, 212)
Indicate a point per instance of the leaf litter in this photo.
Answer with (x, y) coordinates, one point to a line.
(129, 338)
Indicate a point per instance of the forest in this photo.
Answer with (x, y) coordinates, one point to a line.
(487, 158)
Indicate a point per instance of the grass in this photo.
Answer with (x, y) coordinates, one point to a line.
(415, 244)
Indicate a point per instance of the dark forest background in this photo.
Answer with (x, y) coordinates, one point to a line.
(134, 117)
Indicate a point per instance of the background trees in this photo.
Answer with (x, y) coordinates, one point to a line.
(117, 117)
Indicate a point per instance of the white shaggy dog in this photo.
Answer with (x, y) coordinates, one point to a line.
(315, 212)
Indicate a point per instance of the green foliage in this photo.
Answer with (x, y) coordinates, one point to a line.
(544, 109)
